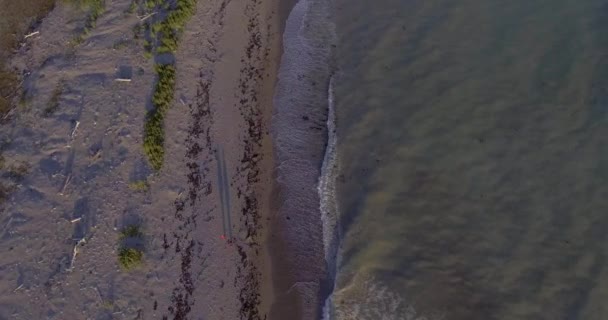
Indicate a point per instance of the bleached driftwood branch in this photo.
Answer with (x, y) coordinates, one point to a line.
(76, 251)
(66, 183)
(74, 131)
(142, 18)
(31, 34)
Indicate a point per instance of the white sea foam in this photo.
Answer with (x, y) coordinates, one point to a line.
(327, 194)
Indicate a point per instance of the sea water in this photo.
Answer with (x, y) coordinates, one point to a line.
(455, 152)
(472, 147)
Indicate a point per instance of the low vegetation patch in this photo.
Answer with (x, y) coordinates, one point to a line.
(161, 35)
(95, 9)
(164, 28)
(141, 185)
(172, 26)
(130, 254)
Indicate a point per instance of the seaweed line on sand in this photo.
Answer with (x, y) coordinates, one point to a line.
(199, 150)
(199, 143)
(251, 76)
(181, 298)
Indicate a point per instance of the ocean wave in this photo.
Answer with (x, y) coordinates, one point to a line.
(366, 298)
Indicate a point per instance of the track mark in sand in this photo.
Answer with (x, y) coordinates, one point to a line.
(224, 192)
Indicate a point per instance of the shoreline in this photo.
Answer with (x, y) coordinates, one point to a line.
(272, 279)
(300, 136)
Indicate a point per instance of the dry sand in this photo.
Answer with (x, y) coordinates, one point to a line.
(197, 264)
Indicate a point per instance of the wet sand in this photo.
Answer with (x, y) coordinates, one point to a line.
(205, 239)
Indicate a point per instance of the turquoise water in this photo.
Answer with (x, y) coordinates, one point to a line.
(473, 159)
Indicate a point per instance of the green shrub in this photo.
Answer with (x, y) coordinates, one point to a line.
(130, 258)
(154, 135)
(167, 31)
(174, 23)
(129, 254)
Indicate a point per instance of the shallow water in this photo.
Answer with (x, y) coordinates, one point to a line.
(473, 158)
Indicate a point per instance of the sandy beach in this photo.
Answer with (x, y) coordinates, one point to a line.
(205, 216)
